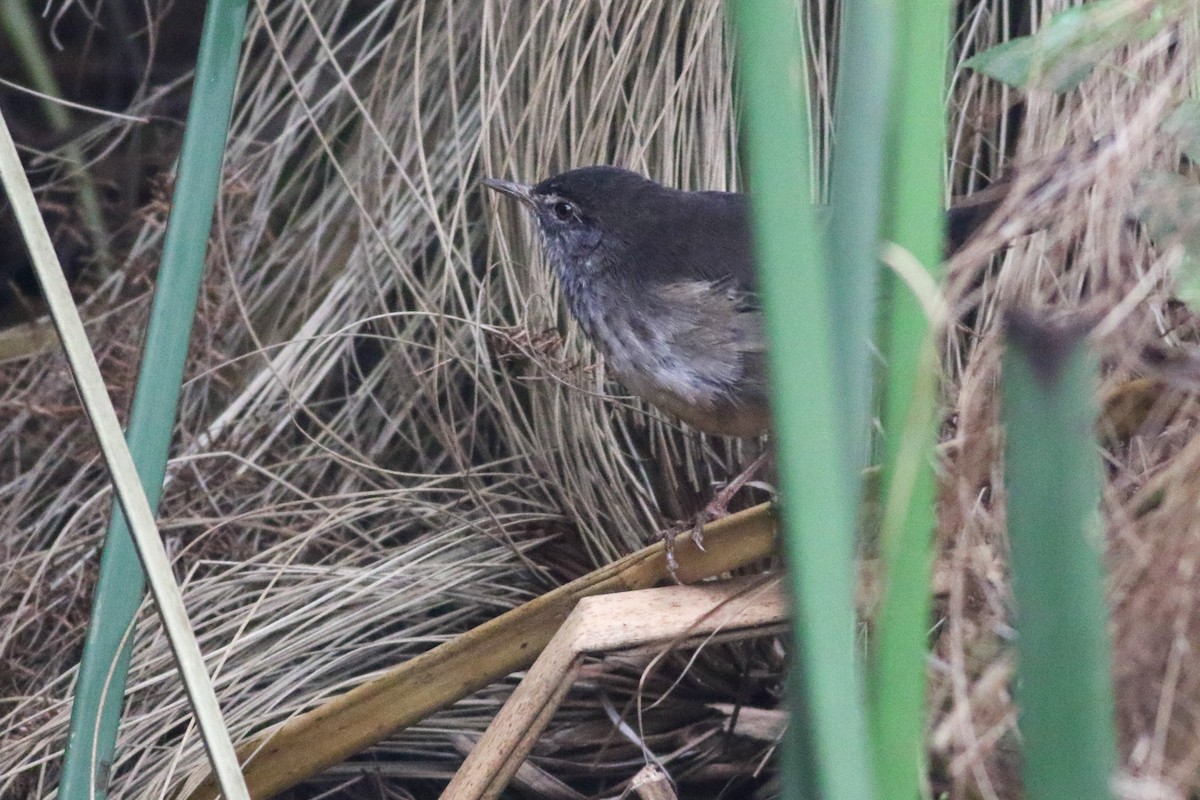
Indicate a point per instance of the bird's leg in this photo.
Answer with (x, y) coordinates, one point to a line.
(718, 507)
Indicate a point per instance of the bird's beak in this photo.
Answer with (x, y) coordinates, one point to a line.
(518, 190)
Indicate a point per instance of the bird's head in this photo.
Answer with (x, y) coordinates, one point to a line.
(581, 211)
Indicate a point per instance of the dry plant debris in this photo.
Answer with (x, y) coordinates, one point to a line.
(663, 616)
(390, 434)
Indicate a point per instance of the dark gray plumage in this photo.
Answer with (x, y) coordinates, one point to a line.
(662, 282)
(675, 316)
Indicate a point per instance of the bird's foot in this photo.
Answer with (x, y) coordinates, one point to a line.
(668, 536)
(716, 509)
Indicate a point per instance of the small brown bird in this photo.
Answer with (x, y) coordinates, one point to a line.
(662, 283)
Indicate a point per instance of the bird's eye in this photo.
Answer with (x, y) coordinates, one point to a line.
(564, 210)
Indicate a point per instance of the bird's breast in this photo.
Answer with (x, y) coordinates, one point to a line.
(683, 347)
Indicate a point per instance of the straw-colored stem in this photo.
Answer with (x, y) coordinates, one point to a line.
(94, 394)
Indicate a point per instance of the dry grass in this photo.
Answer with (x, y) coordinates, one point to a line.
(1089, 263)
(390, 432)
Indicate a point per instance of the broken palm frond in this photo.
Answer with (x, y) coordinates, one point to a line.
(407, 694)
(598, 624)
(652, 783)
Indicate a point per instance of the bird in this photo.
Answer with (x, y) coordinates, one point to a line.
(661, 281)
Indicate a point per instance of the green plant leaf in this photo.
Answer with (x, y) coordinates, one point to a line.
(1184, 125)
(1066, 50)
(1169, 208)
(1052, 479)
(1187, 281)
(1026, 61)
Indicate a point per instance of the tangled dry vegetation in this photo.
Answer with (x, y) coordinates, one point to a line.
(390, 433)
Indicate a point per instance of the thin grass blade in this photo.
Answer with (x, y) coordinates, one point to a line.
(101, 687)
(819, 508)
(910, 409)
(92, 391)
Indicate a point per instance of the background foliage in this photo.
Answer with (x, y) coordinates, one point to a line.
(390, 432)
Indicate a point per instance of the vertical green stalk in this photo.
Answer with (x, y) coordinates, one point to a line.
(910, 408)
(864, 75)
(1052, 479)
(99, 693)
(819, 510)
